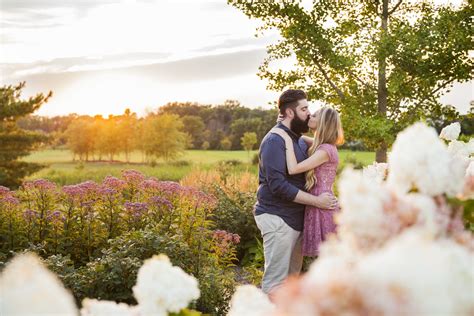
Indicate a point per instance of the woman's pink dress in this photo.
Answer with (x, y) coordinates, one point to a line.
(318, 223)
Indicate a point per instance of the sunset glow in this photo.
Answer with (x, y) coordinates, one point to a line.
(100, 57)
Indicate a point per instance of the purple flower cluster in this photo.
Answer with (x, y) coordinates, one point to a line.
(200, 198)
(4, 191)
(9, 200)
(90, 187)
(225, 241)
(81, 191)
(7, 197)
(30, 215)
(170, 188)
(41, 185)
(150, 184)
(87, 204)
(206, 199)
(136, 209)
(133, 177)
(114, 183)
(226, 237)
(160, 203)
(55, 217)
(74, 192)
(137, 194)
(107, 192)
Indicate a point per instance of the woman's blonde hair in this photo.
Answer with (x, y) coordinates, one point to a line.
(328, 131)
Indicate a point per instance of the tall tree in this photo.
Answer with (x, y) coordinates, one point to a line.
(109, 140)
(15, 142)
(240, 126)
(248, 141)
(163, 136)
(82, 137)
(382, 63)
(127, 129)
(194, 126)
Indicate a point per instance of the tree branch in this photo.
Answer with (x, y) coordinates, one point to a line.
(331, 83)
(443, 85)
(360, 80)
(395, 7)
(433, 92)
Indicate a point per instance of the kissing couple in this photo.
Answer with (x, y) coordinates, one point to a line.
(295, 201)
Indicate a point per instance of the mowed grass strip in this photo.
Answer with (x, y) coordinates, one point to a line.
(63, 170)
(53, 156)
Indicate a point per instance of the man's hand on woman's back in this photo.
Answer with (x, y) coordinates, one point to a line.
(326, 201)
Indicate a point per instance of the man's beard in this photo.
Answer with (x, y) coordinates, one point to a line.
(299, 126)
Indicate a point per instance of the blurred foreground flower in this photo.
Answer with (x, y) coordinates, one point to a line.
(28, 288)
(250, 301)
(451, 132)
(162, 287)
(401, 247)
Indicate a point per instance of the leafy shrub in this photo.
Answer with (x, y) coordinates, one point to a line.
(112, 275)
(235, 202)
(180, 163)
(255, 159)
(234, 213)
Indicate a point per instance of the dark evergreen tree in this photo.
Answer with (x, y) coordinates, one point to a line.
(15, 142)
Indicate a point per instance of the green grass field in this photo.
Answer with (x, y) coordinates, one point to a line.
(63, 170)
(55, 156)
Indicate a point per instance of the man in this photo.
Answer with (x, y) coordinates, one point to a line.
(279, 211)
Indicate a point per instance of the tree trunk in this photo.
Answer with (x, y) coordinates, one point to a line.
(382, 92)
(381, 153)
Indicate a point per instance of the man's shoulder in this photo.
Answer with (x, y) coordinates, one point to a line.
(302, 143)
(272, 139)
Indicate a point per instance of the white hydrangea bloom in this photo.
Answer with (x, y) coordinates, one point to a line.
(416, 275)
(28, 288)
(162, 288)
(457, 168)
(250, 301)
(451, 132)
(372, 213)
(92, 307)
(362, 218)
(335, 261)
(420, 159)
(468, 190)
(470, 145)
(470, 169)
(427, 214)
(376, 171)
(461, 149)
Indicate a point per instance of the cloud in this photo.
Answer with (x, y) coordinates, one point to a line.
(59, 65)
(19, 5)
(205, 79)
(229, 42)
(198, 68)
(224, 56)
(47, 30)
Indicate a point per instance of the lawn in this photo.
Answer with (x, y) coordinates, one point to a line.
(63, 170)
(55, 156)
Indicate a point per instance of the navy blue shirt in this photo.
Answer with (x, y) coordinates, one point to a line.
(277, 189)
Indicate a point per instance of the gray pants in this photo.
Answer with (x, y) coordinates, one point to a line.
(282, 249)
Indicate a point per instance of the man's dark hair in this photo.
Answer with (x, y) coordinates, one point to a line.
(289, 99)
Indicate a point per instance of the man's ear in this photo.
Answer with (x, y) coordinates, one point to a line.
(290, 113)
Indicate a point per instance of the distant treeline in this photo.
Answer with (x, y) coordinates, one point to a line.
(172, 128)
(186, 125)
(221, 126)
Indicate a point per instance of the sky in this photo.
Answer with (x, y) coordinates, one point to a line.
(101, 57)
